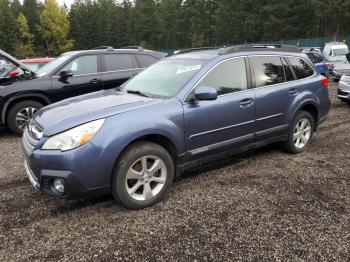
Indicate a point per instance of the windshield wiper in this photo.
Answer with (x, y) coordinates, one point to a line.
(136, 92)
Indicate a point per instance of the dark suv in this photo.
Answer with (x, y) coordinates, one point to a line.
(72, 74)
(180, 112)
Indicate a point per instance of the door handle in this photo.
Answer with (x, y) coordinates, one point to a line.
(95, 81)
(246, 102)
(293, 92)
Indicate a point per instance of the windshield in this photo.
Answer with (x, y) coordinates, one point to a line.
(49, 67)
(340, 51)
(315, 57)
(165, 78)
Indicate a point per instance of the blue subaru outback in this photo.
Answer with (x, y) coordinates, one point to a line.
(133, 141)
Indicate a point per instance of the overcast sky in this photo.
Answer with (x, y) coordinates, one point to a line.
(67, 2)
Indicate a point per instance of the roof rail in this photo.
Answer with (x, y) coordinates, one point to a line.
(109, 48)
(140, 48)
(196, 49)
(254, 47)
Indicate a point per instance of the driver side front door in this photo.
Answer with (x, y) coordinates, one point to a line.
(87, 78)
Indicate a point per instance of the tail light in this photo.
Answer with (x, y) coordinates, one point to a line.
(328, 66)
(325, 82)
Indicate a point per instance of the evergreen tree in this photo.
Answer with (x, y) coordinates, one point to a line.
(8, 28)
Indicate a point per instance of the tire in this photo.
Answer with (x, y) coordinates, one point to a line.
(12, 124)
(291, 145)
(131, 175)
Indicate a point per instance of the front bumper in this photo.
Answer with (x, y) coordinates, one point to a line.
(344, 89)
(81, 178)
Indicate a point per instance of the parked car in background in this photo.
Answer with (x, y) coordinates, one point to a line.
(35, 63)
(187, 109)
(344, 88)
(339, 70)
(317, 58)
(72, 74)
(335, 51)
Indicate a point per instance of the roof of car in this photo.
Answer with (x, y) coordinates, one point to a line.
(37, 60)
(210, 53)
(119, 51)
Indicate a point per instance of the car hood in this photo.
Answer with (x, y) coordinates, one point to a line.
(72, 112)
(15, 61)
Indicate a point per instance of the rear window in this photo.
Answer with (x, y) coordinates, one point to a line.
(146, 60)
(300, 67)
(315, 57)
(115, 62)
(268, 70)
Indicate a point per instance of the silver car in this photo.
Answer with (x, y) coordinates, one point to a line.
(344, 88)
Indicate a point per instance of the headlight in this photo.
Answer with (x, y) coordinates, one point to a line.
(74, 137)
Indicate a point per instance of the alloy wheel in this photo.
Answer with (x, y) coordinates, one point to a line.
(302, 133)
(146, 178)
(24, 116)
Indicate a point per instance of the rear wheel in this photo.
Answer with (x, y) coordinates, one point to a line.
(143, 175)
(20, 114)
(300, 133)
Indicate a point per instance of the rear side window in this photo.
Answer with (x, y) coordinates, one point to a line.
(300, 67)
(287, 71)
(268, 70)
(115, 62)
(146, 60)
(227, 77)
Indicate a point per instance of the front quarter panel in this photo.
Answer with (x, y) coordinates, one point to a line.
(119, 131)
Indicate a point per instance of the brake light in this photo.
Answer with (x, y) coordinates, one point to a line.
(325, 82)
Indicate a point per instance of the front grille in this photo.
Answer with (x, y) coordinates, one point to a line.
(28, 142)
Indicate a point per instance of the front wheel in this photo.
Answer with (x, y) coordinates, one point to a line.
(300, 133)
(143, 175)
(20, 114)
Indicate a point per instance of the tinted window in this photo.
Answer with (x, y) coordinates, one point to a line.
(227, 77)
(82, 65)
(300, 67)
(146, 60)
(268, 70)
(117, 62)
(287, 71)
(315, 57)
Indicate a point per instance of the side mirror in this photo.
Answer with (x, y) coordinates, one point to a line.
(205, 93)
(66, 73)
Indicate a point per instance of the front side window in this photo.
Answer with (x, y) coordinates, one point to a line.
(116, 62)
(268, 70)
(165, 78)
(51, 66)
(82, 65)
(300, 67)
(227, 77)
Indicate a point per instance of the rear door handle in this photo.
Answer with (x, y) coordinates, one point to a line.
(293, 92)
(95, 81)
(246, 102)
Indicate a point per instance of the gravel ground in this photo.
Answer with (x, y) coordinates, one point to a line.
(261, 205)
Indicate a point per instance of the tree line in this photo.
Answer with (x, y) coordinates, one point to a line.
(33, 28)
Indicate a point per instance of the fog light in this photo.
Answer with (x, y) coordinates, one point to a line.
(58, 184)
